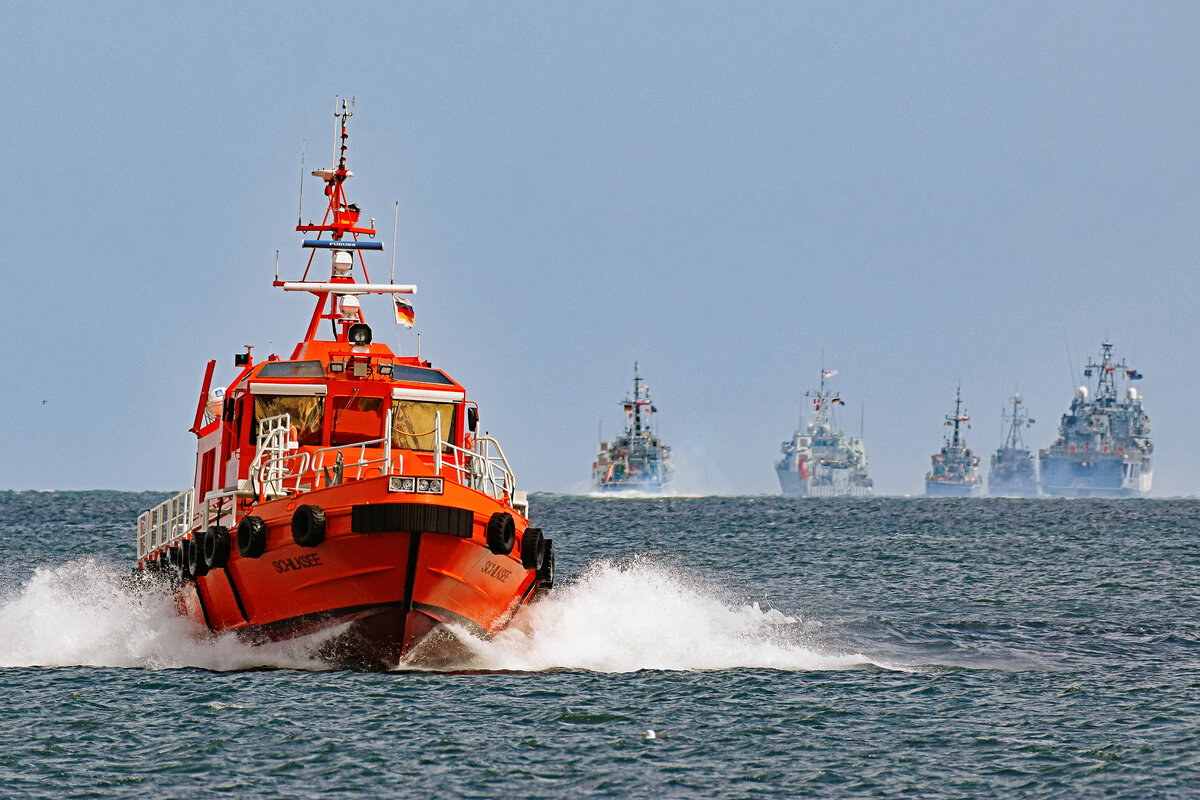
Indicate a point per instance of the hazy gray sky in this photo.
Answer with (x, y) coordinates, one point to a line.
(929, 193)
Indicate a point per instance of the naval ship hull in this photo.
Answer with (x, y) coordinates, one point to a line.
(1000, 488)
(792, 484)
(952, 489)
(1012, 474)
(1091, 474)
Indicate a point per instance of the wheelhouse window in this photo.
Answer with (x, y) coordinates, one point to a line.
(292, 369)
(356, 419)
(305, 412)
(414, 423)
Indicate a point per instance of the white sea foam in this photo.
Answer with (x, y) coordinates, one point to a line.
(641, 615)
(635, 494)
(616, 617)
(86, 613)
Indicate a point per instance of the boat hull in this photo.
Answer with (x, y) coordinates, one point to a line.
(390, 570)
(1013, 488)
(953, 489)
(1013, 473)
(793, 484)
(1091, 474)
(630, 486)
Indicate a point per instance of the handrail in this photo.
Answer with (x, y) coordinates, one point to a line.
(385, 461)
(275, 470)
(483, 470)
(274, 443)
(165, 524)
(362, 463)
(437, 438)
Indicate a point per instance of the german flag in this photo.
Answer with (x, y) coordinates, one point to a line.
(404, 311)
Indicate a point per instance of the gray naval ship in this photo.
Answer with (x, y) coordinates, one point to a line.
(1103, 447)
(955, 469)
(820, 460)
(1014, 468)
(636, 460)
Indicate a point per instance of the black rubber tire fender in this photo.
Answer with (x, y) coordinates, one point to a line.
(308, 526)
(194, 551)
(545, 573)
(216, 547)
(533, 548)
(501, 533)
(251, 537)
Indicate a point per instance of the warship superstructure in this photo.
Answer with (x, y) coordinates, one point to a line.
(637, 459)
(820, 460)
(1014, 469)
(955, 469)
(1103, 447)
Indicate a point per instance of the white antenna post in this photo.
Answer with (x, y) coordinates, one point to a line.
(300, 211)
(395, 227)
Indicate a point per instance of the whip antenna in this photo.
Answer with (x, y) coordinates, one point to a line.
(395, 226)
(300, 211)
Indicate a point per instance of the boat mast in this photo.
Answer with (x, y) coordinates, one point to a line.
(341, 218)
(1106, 387)
(821, 399)
(957, 418)
(637, 401)
(1013, 441)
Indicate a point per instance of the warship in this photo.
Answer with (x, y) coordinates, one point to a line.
(955, 471)
(1014, 470)
(820, 460)
(637, 459)
(1103, 447)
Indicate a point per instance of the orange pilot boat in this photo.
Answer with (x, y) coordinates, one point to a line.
(345, 491)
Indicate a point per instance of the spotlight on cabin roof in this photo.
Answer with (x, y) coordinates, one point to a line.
(359, 333)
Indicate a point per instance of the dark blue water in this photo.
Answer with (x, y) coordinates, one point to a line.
(776, 648)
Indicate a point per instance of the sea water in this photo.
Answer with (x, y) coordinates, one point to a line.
(693, 647)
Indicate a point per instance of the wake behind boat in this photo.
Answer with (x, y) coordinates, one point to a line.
(346, 489)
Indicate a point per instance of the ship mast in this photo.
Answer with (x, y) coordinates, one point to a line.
(821, 399)
(1106, 387)
(958, 418)
(1013, 441)
(637, 397)
(340, 292)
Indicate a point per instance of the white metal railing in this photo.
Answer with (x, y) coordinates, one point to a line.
(275, 448)
(215, 507)
(361, 464)
(483, 468)
(280, 467)
(165, 524)
(272, 473)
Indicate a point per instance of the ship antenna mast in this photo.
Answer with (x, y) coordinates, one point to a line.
(300, 211)
(637, 397)
(395, 228)
(958, 417)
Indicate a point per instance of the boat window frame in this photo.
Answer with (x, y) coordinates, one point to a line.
(332, 411)
(450, 434)
(305, 437)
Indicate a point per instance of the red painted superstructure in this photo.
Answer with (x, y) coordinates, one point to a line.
(346, 490)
